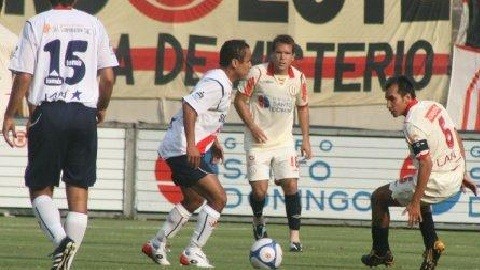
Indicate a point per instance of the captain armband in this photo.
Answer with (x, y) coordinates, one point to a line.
(420, 148)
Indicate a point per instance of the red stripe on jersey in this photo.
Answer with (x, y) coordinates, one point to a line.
(249, 86)
(202, 144)
(432, 113)
(304, 89)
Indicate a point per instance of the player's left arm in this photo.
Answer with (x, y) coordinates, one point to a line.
(417, 139)
(303, 117)
(21, 83)
(466, 181)
(105, 88)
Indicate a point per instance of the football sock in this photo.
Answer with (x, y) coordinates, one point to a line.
(48, 217)
(427, 229)
(380, 240)
(206, 221)
(75, 226)
(293, 205)
(177, 217)
(257, 206)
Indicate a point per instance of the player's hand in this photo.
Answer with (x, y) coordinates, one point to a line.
(468, 184)
(258, 134)
(9, 126)
(306, 150)
(101, 116)
(413, 211)
(217, 153)
(193, 156)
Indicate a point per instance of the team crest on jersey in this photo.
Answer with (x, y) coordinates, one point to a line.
(263, 101)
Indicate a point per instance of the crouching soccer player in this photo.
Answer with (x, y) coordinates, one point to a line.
(440, 161)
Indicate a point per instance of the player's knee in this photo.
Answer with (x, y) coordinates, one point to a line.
(258, 194)
(219, 201)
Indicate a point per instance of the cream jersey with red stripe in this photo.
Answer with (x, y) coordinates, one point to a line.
(272, 103)
(63, 49)
(211, 99)
(429, 121)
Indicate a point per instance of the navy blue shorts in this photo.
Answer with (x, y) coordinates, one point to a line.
(185, 175)
(62, 137)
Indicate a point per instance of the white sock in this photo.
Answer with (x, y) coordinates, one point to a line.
(177, 217)
(48, 217)
(75, 226)
(206, 222)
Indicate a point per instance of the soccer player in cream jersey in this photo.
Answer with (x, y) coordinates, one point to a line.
(266, 103)
(439, 157)
(192, 132)
(59, 55)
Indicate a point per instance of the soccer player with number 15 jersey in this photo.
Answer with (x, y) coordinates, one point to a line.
(59, 55)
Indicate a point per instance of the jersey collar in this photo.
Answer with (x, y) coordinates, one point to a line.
(62, 7)
(271, 70)
(410, 105)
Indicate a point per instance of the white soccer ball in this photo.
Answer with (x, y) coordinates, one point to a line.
(266, 253)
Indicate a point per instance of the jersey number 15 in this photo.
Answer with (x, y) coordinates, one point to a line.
(71, 60)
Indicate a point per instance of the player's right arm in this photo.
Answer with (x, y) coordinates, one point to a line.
(189, 119)
(466, 181)
(242, 97)
(21, 83)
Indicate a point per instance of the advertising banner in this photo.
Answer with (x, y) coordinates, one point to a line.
(346, 48)
(335, 184)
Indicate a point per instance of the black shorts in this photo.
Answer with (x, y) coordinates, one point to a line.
(62, 136)
(185, 175)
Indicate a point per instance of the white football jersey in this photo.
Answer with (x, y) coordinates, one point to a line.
(428, 120)
(272, 103)
(211, 98)
(63, 49)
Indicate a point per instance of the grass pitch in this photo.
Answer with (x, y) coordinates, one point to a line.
(116, 244)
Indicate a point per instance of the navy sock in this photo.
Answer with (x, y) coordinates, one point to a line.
(380, 240)
(293, 205)
(257, 206)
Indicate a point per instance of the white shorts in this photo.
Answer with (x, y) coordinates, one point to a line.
(283, 162)
(440, 187)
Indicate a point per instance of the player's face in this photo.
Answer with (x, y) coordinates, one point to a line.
(243, 67)
(282, 58)
(396, 104)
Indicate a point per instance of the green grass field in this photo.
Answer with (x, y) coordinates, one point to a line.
(116, 244)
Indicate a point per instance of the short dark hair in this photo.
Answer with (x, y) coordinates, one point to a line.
(405, 85)
(283, 39)
(233, 49)
(61, 2)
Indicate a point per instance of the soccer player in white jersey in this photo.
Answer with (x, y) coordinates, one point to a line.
(439, 157)
(266, 102)
(59, 54)
(192, 132)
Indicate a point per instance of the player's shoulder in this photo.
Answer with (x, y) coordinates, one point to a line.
(215, 77)
(258, 69)
(79, 15)
(297, 73)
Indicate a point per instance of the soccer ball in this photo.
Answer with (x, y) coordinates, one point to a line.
(265, 253)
